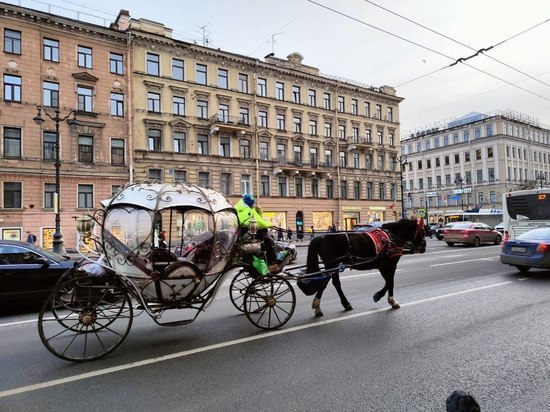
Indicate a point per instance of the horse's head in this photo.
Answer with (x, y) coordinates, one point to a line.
(409, 233)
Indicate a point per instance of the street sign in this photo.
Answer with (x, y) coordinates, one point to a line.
(422, 212)
(431, 194)
(455, 197)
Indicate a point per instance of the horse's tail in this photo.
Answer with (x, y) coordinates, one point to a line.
(312, 255)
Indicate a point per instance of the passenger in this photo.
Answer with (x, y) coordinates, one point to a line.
(246, 211)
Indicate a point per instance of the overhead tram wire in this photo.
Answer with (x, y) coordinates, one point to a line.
(465, 45)
(460, 60)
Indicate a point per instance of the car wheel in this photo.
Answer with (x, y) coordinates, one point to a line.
(523, 269)
(498, 240)
(476, 242)
(450, 243)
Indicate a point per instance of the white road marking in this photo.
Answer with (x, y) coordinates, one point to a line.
(464, 261)
(145, 362)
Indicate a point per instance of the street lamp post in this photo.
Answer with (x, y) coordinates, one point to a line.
(39, 120)
(460, 180)
(402, 162)
(540, 178)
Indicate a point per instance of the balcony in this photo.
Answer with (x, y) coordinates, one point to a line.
(295, 166)
(229, 123)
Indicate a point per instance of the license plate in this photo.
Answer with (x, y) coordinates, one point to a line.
(518, 249)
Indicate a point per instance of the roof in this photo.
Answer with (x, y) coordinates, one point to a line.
(153, 195)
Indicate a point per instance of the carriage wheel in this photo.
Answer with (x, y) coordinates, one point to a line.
(237, 289)
(269, 302)
(85, 318)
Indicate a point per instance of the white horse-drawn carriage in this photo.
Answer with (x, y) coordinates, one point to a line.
(157, 248)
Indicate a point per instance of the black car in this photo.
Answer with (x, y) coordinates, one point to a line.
(28, 273)
(440, 231)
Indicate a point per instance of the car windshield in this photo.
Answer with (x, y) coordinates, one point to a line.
(536, 234)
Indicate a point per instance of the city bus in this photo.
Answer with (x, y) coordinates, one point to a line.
(491, 217)
(525, 210)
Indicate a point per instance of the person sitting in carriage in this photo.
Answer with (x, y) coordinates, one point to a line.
(246, 211)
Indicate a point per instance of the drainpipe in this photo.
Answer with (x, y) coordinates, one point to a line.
(129, 67)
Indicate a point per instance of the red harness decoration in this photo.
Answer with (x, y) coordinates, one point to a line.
(382, 241)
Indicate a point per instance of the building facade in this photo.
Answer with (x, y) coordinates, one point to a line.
(315, 150)
(471, 162)
(59, 64)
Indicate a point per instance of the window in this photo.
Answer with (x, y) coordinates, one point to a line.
(85, 196)
(12, 195)
(12, 41)
(281, 153)
(225, 183)
(477, 133)
(367, 109)
(246, 186)
(177, 69)
(478, 154)
(343, 189)
(342, 132)
(262, 118)
(379, 111)
(155, 174)
(204, 179)
(370, 190)
(356, 189)
(330, 189)
(153, 64)
(489, 130)
(296, 94)
(85, 149)
(50, 50)
(297, 122)
(315, 187)
(180, 142)
(243, 83)
(313, 127)
(223, 113)
(202, 109)
(117, 104)
(391, 139)
(243, 115)
(356, 160)
(312, 97)
(12, 143)
(244, 149)
(368, 136)
(12, 88)
(280, 121)
(283, 186)
(355, 134)
(298, 187)
(354, 106)
(491, 174)
(264, 151)
(225, 147)
(50, 94)
(85, 101)
(203, 144)
(153, 102)
(466, 136)
(490, 152)
(381, 191)
(264, 185)
(48, 145)
(223, 79)
(368, 161)
(116, 63)
(49, 195)
(328, 129)
(201, 74)
(341, 104)
(153, 140)
(380, 137)
(328, 157)
(479, 176)
(178, 105)
(343, 160)
(380, 162)
(84, 57)
(326, 101)
(262, 89)
(313, 158)
(279, 91)
(117, 152)
(389, 115)
(298, 156)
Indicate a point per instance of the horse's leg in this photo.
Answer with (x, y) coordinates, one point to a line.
(388, 273)
(316, 304)
(338, 287)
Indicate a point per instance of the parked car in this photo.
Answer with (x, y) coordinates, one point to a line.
(28, 273)
(431, 229)
(439, 232)
(500, 227)
(529, 250)
(471, 233)
(291, 247)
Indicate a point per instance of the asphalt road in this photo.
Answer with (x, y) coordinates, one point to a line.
(466, 322)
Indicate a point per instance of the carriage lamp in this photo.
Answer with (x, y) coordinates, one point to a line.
(85, 224)
(253, 226)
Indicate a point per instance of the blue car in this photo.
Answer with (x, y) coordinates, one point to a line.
(529, 250)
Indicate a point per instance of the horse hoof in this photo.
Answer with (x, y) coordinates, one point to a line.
(348, 307)
(318, 314)
(395, 306)
(376, 298)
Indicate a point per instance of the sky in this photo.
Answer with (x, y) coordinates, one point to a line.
(407, 44)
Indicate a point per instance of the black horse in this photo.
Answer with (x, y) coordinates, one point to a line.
(376, 249)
